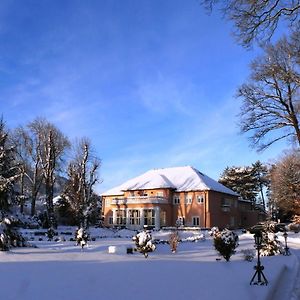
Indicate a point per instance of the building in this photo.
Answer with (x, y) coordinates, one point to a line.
(175, 196)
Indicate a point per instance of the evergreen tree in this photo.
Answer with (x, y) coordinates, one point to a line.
(261, 174)
(9, 170)
(242, 180)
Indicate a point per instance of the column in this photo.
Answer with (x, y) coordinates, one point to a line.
(142, 217)
(127, 218)
(114, 216)
(157, 217)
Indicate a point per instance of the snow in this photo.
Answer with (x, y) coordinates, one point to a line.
(61, 270)
(179, 178)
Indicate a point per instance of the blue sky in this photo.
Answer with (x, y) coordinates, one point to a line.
(150, 82)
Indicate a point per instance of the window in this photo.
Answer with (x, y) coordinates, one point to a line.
(226, 202)
(149, 217)
(176, 199)
(134, 217)
(163, 218)
(200, 199)
(188, 200)
(196, 221)
(160, 194)
(110, 220)
(225, 205)
(107, 202)
(120, 217)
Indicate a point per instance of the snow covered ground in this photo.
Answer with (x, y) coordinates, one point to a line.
(60, 270)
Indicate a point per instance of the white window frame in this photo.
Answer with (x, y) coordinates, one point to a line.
(160, 194)
(134, 217)
(121, 217)
(188, 199)
(176, 199)
(200, 199)
(149, 215)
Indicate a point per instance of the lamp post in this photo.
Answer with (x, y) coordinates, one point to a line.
(286, 248)
(261, 279)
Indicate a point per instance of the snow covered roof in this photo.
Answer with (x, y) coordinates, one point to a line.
(177, 178)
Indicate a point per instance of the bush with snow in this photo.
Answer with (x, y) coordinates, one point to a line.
(143, 242)
(82, 237)
(213, 231)
(9, 236)
(270, 244)
(225, 242)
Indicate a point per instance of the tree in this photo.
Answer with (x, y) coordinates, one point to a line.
(271, 103)
(225, 242)
(28, 145)
(242, 180)
(285, 185)
(82, 177)
(9, 169)
(257, 19)
(50, 153)
(261, 174)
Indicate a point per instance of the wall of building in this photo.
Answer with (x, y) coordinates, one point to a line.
(196, 208)
(223, 210)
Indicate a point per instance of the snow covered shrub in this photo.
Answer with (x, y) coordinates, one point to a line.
(143, 242)
(50, 234)
(270, 245)
(173, 241)
(213, 231)
(248, 254)
(9, 236)
(225, 242)
(81, 237)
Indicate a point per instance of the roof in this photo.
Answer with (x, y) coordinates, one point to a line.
(181, 179)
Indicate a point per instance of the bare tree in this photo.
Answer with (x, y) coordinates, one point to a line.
(82, 176)
(28, 147)
(257, 19)
(285, 184)
(271, 100)
(50, 153)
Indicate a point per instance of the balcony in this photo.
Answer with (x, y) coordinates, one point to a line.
(140, 200)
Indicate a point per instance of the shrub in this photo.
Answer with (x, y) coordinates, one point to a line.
(225, 243)
(82, 237)
(270, 244)
(143, 242)
(173, 241)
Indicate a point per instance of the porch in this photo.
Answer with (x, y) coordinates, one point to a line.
(136, 218)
